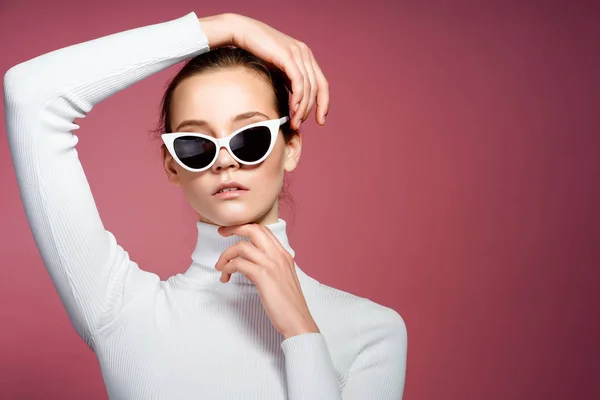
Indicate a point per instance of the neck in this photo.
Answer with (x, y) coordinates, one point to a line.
(210, 244)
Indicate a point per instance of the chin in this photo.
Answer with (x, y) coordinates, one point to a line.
(229, 215)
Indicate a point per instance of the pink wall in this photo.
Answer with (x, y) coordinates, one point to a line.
(456, 181)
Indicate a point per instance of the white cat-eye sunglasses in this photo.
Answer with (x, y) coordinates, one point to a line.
(249, 145)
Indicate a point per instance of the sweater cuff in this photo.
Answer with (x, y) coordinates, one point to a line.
(309, 369)
(192, 39)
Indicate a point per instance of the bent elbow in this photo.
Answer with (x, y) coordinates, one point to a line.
(19, 88)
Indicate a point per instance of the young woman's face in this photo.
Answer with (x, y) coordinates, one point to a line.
(217, 98)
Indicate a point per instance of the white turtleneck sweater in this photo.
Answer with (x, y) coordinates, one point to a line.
(191, 336)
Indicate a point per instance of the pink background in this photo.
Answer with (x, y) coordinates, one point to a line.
(456, 181)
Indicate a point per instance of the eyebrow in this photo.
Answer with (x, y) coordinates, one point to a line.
(202, 123)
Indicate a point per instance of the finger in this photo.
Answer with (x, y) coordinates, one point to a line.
(242, 249)
(277, 49)
(274, 239)
(251, 231)
(283, 252)
(292, 71)
(312, 78)
(299, 114)
(225, 277)
(322, 94)
(241, 265)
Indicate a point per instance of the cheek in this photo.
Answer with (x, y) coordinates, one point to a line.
(266, 179)
(273, 166)
(196, 187)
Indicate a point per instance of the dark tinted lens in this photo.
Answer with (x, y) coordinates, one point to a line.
(194, 152)
(251, 144)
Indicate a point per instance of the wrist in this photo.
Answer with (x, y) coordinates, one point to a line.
(218, 29)
(309, 328)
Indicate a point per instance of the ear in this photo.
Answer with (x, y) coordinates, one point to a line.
(170, 166)
(293, 149)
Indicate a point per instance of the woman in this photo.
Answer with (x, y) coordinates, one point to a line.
(243, 322)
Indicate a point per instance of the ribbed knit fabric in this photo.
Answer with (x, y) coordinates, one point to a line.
(191, 336)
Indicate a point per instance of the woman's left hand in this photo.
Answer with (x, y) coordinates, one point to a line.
(268, 264)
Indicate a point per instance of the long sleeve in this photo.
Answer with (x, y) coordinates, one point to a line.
(43, 96)
(378, 372)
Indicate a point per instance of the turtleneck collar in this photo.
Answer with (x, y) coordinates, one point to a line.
(211, 244)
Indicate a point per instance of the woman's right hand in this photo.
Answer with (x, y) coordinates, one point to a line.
(293, 57)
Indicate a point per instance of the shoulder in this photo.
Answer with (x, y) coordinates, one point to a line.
(381, 323)
(368, 319)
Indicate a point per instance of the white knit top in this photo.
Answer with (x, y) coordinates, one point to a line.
(191, 336)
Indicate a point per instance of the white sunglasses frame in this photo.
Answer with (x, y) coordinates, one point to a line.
(272, 124)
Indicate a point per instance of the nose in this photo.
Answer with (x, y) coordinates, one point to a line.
(224, 161)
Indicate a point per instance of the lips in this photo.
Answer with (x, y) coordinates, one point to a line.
(229, 186)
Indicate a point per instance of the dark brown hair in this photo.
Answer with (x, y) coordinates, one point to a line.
(231, 57)
(223, 58)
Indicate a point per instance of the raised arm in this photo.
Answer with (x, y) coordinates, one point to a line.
(43, 96)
